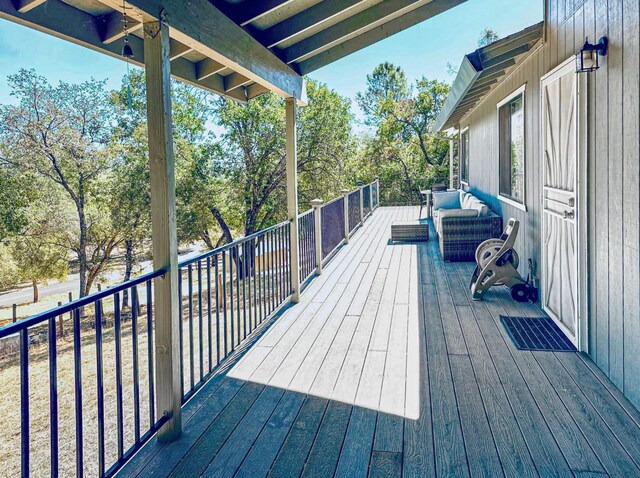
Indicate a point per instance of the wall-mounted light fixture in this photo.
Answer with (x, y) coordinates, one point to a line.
(587, 57)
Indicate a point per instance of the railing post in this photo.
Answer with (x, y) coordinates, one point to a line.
(360, 188)
(316, 204)
(377, 192)
(370, 197)
(345, 193)
(292, 197)
(163, 223)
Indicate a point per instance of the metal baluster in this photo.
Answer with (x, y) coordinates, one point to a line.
(244, 289)
(278, 268)
(271, 276)
(248, 267)
(136, 374)
(238, 272)
(118, 340)
(77, 359)
(231, 265)
(181, 332)
(259, 273)
(190, 305)
(152, 399)
(100, 387)
(289, 264)
(224, 300)
(209, 314)
(283, 258)
(53, 396)
(254, 264)
(24, 401)
(215, 258)
(200, 341)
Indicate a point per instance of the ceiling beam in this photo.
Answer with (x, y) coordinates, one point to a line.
(305, 20)
(208, 67)
(235, 80)
(112, 26)
(24, 6)
(64, 21)
(243, 14)
(177, 50)
(363, 40)
(206, 29)
(360, 22)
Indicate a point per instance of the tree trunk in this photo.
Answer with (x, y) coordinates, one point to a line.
(82, 246)
(36, 296)
(226, 232)
(128, 269)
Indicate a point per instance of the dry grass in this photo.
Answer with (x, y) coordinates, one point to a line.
(39, 391)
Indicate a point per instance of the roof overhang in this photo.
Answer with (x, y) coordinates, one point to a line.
(481, 71)
(237, 48)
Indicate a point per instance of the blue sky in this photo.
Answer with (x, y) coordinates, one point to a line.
(421, 50)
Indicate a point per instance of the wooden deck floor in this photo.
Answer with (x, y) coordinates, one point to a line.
(387, 368)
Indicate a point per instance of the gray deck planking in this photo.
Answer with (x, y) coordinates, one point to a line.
(388, 368)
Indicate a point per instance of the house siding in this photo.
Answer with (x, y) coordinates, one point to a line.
(613, 169)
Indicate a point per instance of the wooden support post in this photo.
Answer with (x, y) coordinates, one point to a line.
(345, 193)
(360, 188)
(316, 204)
(292, 196)
(14, 310)
(451, 179)
(163, 223)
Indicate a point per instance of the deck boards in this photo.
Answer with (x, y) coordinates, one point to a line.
(388, 368)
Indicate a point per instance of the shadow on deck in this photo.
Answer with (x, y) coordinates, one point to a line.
(388, 368)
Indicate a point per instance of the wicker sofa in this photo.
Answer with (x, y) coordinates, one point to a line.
(461, 229)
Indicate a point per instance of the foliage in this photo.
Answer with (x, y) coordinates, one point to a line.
(404, 151)
(38, 252)
(386, 84)
(60, 134)
(325, 143)
(487, 36)
(14, 200)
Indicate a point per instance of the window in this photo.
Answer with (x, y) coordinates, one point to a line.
(464, 156)
(511, 141)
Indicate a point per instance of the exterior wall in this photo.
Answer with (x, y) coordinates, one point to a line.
(613, 166)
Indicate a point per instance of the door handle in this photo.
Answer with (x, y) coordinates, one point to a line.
(568, 215)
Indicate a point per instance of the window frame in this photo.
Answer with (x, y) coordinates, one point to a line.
(521, 91)
(465, 181)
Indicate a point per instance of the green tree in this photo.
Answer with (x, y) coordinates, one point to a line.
(387, 83)
(325, 144)
(487, 36)
(14, 200)
(60, 133)
(404, 151)
(39, 252)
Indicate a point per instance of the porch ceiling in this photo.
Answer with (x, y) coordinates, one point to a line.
(482, 70)
(237, 48)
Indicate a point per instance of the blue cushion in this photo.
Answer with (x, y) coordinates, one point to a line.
(446, 200)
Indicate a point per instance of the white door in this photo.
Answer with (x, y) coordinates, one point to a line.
(559, 198)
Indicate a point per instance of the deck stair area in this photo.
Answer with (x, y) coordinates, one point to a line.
(386, 367)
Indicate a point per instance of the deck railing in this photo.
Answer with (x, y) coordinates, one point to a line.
(235, 288)
(97, 374)
(306, 244)
(332, 220)
(103, 334)
(354, 210)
